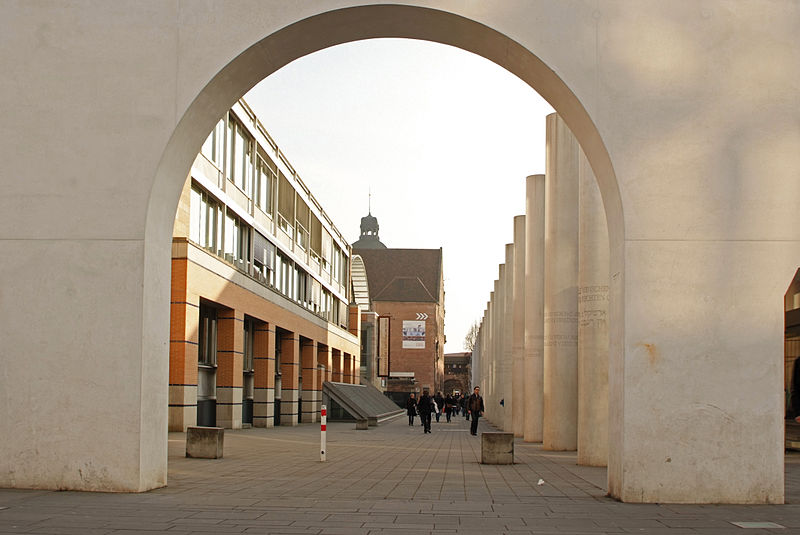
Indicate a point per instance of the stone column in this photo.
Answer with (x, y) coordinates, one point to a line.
(230, 355)
(560, 419)
(508, 355)
(494, 410)
(518, 330)
(184, 327)
(486, 386)
(290, 377)
(311, 393)
(592, 323)
(534, 306)
(264, 375)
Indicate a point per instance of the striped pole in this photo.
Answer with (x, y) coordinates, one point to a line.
(322, 430)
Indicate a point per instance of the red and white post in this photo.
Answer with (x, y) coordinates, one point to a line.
(322, 430)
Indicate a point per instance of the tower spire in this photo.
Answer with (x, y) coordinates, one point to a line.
(369, 201)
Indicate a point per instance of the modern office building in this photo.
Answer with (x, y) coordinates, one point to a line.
(260, 313)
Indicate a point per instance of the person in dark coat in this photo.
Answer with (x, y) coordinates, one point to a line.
(425, 407)
(464, 400)
(448, 406)
(411, 408)
(439, 399)
(475, 409)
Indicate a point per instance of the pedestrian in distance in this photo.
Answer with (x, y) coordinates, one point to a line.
(411, 408)
(456, 403)
(425, 407)
(448, 406)
(439, 399)
(475, 409)
(464, 400)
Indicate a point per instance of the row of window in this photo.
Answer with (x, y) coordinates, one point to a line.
(224, 234)
(207, 339)
(250, 169)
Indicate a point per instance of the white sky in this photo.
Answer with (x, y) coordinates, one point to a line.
(443, 138)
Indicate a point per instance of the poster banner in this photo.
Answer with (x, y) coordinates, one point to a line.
(413, 334)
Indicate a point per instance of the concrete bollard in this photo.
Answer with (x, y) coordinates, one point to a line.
(204, 442)
(362, 424)
(497, 448)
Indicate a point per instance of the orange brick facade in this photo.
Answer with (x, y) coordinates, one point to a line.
(427, 364)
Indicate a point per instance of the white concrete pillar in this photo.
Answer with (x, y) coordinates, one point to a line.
(534, 307)
(560, 419)
(518, 330)
(593, 275)
(508, 357)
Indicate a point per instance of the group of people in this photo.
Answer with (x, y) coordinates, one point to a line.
(428, 405)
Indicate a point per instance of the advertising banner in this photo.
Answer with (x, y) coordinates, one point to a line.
(413, 334)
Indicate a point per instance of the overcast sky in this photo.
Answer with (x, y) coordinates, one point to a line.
(444, 140)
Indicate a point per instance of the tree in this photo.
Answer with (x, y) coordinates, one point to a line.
(471, 337)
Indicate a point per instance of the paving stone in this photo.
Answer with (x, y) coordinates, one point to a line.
(389, 481)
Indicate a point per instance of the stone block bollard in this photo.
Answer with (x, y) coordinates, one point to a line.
(204, 442)
(362, 424)
(497, 448)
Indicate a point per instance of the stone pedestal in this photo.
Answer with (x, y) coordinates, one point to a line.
(560, 419)
(497, 448)
(204, 442)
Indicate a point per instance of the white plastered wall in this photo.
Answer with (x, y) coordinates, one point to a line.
(694, 103)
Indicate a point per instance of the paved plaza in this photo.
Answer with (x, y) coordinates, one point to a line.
(388, 480)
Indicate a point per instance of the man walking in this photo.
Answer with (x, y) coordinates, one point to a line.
(425, 406)
(475, 409)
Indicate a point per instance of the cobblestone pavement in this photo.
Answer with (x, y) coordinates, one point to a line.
(389, 480)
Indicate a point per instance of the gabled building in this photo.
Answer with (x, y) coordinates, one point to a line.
(407, 286)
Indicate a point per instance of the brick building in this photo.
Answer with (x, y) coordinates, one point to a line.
(457, 372)
(260, 313)
(407, 285)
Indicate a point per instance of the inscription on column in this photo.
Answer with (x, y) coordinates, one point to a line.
(593, 304)
(563, 321)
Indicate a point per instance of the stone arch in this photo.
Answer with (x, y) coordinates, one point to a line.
(367, 22)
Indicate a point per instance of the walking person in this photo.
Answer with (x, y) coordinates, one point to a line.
(448, 406)
(439, 399)
(464, 400)
(411, 408)
(475, 409)
(425, 407)
(456, 403)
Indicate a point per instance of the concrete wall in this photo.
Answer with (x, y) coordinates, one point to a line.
(687, 112)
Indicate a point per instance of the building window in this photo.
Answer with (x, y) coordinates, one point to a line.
(265, 184)
(263, 259)
(205, 220)
(249, 337)
(286, 196)
(212, 148)
(207, 336)
(240, 156)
